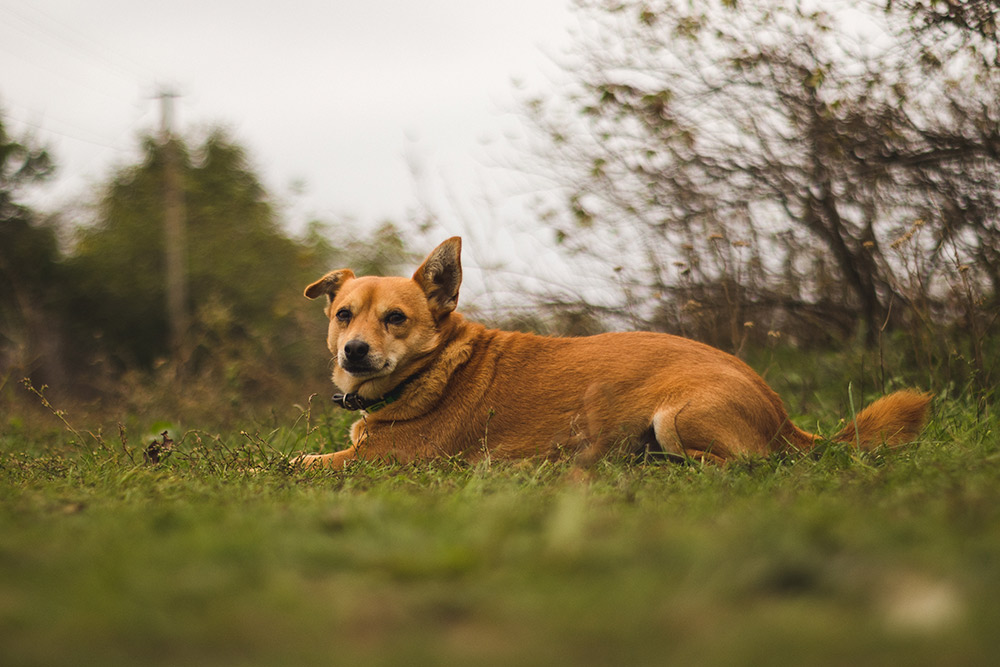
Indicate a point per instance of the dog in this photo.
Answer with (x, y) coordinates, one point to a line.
(429, 383)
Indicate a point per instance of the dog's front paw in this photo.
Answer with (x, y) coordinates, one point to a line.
(306, 461)
(334, 461)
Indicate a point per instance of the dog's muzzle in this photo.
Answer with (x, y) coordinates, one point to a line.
(355, 358)
(356, 350)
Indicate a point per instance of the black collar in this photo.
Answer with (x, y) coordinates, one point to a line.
(354, 402)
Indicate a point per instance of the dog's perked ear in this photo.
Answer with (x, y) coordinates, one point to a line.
(440, 276)
(329, 284)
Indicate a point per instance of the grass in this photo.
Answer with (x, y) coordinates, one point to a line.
(222, 553)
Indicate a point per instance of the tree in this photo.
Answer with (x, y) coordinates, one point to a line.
(28, 261)
(973, 22)
(767, 157)
(241, 266)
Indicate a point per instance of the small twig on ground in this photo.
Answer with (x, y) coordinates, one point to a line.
(60, 414)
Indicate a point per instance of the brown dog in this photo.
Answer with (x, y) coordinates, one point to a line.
(430, 384)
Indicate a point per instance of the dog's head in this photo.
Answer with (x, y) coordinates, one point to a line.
(380, 328)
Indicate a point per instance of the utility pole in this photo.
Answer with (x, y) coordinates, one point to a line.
(175, 236)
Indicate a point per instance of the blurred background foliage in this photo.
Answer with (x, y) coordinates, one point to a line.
(83, 306)
(748, 174)
(823, 172)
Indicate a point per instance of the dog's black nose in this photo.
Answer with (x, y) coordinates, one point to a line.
(355, 350)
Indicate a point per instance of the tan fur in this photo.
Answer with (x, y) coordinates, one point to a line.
(477, 392)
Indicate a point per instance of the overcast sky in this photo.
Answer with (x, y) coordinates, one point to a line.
(336, 101)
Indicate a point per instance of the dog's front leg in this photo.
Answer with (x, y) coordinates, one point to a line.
(334, 461)
(592, 436)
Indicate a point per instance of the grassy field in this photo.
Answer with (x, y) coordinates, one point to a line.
(222, 554)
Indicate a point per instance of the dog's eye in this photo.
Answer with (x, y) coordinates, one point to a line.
(343, 315)
(395, 318)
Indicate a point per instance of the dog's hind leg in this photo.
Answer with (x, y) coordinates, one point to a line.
(665, 432)
(721, 427)
(702, 433)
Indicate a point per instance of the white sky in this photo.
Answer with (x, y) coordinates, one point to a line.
(334, 99)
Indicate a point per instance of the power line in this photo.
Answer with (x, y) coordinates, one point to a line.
(76, 81)
(67, 39)
(51, 48)
(49, 130)
(66, 48)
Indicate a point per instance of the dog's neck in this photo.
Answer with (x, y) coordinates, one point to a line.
(354, 401)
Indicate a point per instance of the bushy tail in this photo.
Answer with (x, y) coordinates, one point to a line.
(891, 420)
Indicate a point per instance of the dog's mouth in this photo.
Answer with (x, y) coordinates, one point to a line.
(365, 369)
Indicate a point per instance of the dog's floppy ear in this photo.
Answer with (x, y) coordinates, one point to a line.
(329, 284)
(440, 276)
